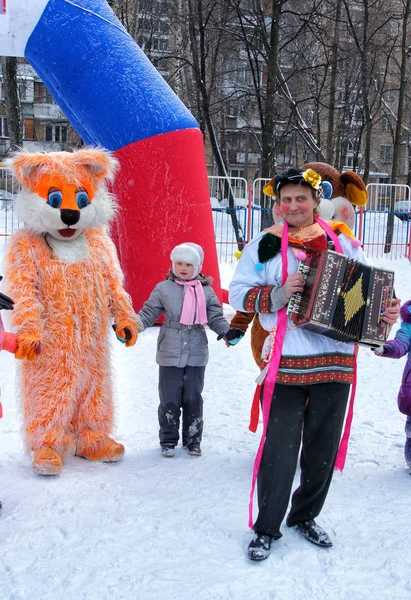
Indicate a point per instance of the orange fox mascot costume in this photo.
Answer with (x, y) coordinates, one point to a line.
(63, 269)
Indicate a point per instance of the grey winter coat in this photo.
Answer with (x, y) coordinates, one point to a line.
(181, 345)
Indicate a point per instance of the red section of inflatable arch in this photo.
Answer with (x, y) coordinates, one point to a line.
(163, 188)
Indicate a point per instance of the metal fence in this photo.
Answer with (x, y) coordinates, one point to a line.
(234, 227)
(8, 191)
(386, 203)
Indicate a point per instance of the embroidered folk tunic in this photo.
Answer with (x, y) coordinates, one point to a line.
(307, 357)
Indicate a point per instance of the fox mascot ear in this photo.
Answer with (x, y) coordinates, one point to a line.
(28, 167)
(100, 164)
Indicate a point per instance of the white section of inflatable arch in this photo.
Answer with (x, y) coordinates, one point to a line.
(22, 17)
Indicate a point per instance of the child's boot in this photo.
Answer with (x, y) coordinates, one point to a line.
(407, 447)
(407, 452)
(47, 461)
(168, 450)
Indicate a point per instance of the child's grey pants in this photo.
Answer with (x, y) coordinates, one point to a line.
(180, 389)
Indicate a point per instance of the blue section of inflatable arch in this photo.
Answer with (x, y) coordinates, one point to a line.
(106, 86)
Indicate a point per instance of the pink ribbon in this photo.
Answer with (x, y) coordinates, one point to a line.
(331, 234)
(271, 376)
(194, 304)
(269, 383)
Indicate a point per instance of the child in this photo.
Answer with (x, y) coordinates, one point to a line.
(7, 340)
(397, 348)
(188, 302)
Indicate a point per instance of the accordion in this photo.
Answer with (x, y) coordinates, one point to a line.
(342, 299)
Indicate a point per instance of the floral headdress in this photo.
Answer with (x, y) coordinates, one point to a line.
(296, 176)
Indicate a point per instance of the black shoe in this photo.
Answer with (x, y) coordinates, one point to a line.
(314, 533)
(260, 547)
(194, 450)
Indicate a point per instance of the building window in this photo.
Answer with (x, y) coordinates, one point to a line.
(56, 133)
(386, 153)
(243, 74)
(157, 7)
(41, 94)
(158, 43)
(236, 173)
(4, 132)
(23, 91)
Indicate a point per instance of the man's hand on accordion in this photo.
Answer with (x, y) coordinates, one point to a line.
(392, 313)
(294, 283)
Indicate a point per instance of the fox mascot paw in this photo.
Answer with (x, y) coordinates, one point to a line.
(64, 270)
(47, 461)
(105, 450)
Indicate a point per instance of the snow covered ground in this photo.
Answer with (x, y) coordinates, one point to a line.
(151, 528)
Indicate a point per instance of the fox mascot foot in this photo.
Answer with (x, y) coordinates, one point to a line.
(106, 450)
(47, 461)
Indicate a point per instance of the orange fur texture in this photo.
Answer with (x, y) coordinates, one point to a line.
(66, 390)
(62, 319)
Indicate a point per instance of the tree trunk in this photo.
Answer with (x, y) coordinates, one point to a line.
(399, 125)
(199, 54)
(12, 102)
(330, 149)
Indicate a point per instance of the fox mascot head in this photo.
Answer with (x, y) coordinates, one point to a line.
(63, 193)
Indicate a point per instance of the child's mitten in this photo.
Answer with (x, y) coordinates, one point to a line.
(232, 336)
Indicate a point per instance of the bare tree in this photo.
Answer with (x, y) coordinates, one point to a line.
(12, 102)
(398, 135)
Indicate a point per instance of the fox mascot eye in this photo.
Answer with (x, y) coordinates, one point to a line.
(55, 198)
(82, 198)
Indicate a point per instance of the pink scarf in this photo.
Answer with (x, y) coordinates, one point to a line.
(269, 382)
(194, 303)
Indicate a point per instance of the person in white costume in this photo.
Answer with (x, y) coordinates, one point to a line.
(310, 388)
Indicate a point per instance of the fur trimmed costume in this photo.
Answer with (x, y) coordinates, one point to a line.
(63, 269)
(348, 190)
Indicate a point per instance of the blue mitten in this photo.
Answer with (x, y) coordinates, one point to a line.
(232, 336)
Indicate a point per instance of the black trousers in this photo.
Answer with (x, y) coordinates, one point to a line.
(314, 416)
(180, 390)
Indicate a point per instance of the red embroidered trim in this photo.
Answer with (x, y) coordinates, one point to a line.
(264, 299)
(332, 363)
(250, 299)
(311, 362)
(312, 378)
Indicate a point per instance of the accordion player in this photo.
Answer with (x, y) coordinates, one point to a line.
(343, 299)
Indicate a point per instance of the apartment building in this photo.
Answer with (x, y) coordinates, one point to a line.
(45, 127)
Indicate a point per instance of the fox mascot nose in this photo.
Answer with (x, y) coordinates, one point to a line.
(69, 216)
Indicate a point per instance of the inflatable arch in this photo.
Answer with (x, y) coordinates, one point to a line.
(115, 98)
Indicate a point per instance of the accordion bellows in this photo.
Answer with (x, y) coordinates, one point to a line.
(343, 299)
